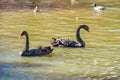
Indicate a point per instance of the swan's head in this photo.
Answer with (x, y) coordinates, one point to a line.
(22, 33)
(85, 27)
(94, 5)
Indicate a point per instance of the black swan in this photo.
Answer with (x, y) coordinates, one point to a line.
(65, 42)
(37, 51)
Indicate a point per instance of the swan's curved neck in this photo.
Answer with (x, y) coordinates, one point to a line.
(79, 39)
(27, 42)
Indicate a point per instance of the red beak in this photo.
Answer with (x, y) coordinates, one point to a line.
(20, 36)
(88, 30)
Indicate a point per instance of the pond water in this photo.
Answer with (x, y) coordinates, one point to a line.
(99, 60)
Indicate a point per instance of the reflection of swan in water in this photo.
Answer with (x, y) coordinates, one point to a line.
(37, 51)
(98, 8)
(69, 43)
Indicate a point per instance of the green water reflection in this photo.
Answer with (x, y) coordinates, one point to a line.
(99, 59)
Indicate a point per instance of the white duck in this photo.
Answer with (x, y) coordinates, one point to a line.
(36, 9)
(97, 8)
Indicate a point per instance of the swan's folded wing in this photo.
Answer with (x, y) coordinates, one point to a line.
(65, 41)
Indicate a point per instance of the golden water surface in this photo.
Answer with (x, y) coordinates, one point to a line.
(100, 59)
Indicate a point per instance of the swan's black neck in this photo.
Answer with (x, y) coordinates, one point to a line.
(79, 39)
(27, 42)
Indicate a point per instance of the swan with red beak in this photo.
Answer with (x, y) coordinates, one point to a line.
(36, 51)
(65, 42)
